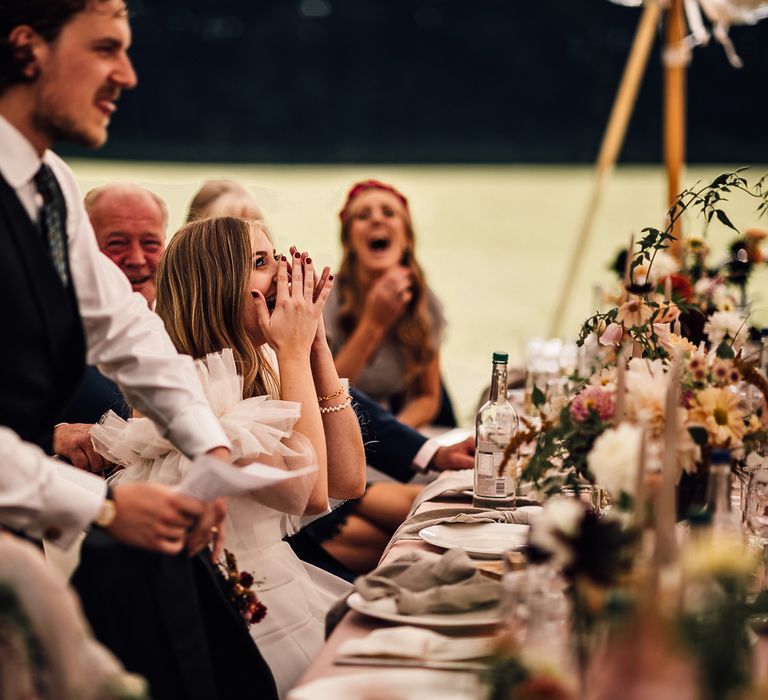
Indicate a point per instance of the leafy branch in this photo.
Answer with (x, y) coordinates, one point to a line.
(708, 200)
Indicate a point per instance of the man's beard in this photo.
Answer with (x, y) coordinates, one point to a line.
(58, 127)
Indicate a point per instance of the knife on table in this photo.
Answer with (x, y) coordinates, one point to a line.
(410, 663)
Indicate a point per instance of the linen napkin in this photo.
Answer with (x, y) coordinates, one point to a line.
(457, 483)
(448, 486)
(408, 642)
(424, 582)
(410, 529)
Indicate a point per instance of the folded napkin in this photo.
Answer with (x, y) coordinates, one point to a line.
(457, 483)
(424, 582)
(448, 486)
(416, 643)
(410, 529)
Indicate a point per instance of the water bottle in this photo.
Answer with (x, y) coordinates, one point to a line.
(719, 503)
(496, 423)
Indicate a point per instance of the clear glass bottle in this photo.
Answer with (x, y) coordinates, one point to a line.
(764, 351)
(724, 518)
(495, 425)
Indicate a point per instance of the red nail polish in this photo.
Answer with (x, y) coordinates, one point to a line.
(309, 261)
(297, 254)
(330, 277)
(282, 258)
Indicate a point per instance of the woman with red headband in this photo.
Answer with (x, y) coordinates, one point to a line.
(384, 324)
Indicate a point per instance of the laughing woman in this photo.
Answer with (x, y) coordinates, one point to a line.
(384, 324)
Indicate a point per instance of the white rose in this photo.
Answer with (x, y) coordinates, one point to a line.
(664, 265)
(560, 518)
(613, 459)
(726, 323)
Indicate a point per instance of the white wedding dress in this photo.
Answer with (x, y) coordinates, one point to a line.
(297, 595)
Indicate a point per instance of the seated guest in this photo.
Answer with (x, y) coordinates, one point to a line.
(384, 324)
(130, 223)
(350, 540)
(222, 289)
(223, 198)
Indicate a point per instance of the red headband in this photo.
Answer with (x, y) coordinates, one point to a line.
(360, 187)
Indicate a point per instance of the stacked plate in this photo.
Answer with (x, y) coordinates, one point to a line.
(479, 540)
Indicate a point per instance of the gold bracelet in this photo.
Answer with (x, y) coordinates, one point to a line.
(337, 407)
(336, 393)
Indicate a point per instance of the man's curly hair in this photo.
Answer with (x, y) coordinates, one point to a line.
(46, 17)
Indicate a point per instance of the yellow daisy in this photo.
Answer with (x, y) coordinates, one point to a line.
(717, 409)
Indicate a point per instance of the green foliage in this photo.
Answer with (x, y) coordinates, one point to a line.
(505, 674)
(725, 351)
(708, 201)
(717, 637)
(566, 444)
(12, 613)
(698, 434)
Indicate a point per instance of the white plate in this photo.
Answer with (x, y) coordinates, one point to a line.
(480, 540)
(397, 684)
(385, 609)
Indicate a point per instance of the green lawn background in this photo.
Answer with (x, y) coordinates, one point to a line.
(494, 240)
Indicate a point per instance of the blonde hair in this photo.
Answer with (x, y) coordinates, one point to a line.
(223, 198)
(202, 287)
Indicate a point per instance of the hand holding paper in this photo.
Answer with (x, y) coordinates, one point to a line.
(210, 478)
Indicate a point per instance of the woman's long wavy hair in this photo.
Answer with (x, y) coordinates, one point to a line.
(413, 330)
(202, 287)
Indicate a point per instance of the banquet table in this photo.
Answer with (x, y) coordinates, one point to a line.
(355, 625)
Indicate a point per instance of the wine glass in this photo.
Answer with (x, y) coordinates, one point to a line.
(756, 516)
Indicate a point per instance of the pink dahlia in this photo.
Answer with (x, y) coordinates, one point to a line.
(593, 398)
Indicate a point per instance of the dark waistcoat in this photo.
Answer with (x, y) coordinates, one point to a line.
(42, 351)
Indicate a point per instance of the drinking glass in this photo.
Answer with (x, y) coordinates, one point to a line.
(756, 517)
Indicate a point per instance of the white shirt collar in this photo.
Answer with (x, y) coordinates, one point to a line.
(18, 159)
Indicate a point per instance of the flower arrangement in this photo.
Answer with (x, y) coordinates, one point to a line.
(239, 590)
(512, 677)
(714, 617)
(666, 311)
(675, 384)
(659, 290)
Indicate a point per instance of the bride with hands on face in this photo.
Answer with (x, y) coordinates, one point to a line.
(222, 286)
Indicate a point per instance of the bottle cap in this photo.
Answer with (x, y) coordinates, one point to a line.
(500, 356)
(699, 517)
(720, 456)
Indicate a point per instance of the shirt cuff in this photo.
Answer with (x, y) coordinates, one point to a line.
(74, 504)
(425, 454)
(196, 430)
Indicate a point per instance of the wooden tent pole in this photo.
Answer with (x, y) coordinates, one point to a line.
(675, 65)
(613, 139)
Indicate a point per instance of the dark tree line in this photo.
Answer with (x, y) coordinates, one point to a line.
(417, 81)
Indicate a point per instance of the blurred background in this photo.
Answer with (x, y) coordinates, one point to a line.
(486, 115)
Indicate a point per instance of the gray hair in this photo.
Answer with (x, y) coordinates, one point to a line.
(94, 195)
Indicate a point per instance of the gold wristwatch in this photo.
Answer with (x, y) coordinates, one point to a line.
(107, 512)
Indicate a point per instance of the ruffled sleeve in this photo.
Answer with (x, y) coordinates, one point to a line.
(259, 429)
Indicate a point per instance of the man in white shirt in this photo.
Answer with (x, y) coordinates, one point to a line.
(63, 65)
(123, 337)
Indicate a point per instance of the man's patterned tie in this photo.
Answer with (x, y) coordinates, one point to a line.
(53, 216)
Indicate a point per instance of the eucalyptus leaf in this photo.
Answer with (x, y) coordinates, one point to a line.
(698, 434)
(725, 351)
